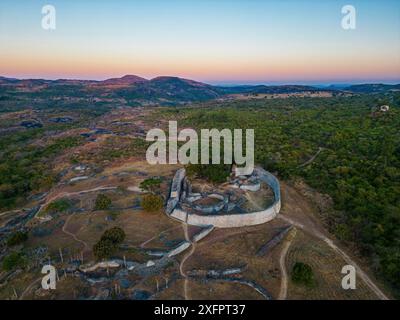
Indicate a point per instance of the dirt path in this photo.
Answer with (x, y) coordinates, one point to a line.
(64, 229)
(70, 194)
(309, 161)
(157, 235)
(282, 263)
(28, 288)
(185, 257)
(8, 212)
(350, 261)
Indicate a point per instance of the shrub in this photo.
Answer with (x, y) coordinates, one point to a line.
(303, 274)
(102, 202)
(13, 261)
(60, 205)
(104, 249)
(116, 235)
(108, 243)
(150, 184)
(216, 173)
(152, 203)
(17, 238)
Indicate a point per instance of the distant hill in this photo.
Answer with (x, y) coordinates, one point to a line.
(170, 90)
(372, 88)
(4, 80)
(269, 89)
(163, 90)
(125, 80)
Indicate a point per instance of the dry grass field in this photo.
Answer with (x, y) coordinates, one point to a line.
(326, 266)
(230, 248)
(222, 290)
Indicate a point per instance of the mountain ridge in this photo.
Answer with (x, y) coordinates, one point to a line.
(169, 90)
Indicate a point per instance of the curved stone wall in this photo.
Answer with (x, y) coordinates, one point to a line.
(213, 208)
(231, 220)
(176, 188)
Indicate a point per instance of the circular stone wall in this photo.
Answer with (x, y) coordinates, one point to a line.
(225, 220)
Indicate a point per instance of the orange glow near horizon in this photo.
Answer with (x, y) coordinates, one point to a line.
(213, 68)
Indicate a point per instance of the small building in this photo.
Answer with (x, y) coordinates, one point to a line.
(378, 109)
(384, 108)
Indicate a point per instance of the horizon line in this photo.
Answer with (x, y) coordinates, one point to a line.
(227, 82)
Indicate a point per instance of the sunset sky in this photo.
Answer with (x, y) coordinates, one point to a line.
(215, 41)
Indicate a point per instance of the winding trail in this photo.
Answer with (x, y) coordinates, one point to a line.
(282, 260)
(333, 246)
(28, 288)
(185, 257)
(12, 211)
(64, 229)
(309, 161)
(70, 194)
(157, 235)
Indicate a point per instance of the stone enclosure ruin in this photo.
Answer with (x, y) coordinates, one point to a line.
(224, 209)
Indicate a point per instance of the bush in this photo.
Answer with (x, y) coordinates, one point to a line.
(102, 202)
(152, 203)
(17, 238)
(60, 205)
(151, 184)
(116, 235)
(13, 261)
(104, 249)
(108, 243)
(216, 173)
(303, 274)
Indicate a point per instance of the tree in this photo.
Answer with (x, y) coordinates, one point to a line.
(216, 173)
(152, 203)
(13, 261)
(151, 184)
(102, 202)
(104, 249)
(108, 243)
(116, 235)
(17, 238)
(302, 274)
(60, 205)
